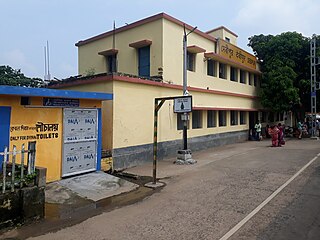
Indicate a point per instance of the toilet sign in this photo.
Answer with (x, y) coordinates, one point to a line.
(182, 104)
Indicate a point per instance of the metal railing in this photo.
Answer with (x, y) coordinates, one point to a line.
(9, 176)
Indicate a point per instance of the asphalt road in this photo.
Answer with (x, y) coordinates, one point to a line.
(240, 191)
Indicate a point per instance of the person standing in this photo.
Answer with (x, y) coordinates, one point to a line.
(274, 135)
(257, 128)
(300, 129)
(280, 135)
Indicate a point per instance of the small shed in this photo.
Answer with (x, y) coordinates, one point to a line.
(66, 126)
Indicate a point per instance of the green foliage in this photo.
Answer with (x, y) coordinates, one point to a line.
(285, 66)
(12, 77)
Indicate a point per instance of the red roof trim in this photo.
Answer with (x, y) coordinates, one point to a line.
(147, 82)
(222, 27)
(223, 108)
(141, 22)
(108, 52)
(195, 49)
(140, 44)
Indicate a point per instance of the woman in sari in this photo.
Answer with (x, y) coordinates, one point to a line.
(274, 135)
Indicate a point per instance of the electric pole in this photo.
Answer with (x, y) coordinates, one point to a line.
(184, 156)
(314, 87)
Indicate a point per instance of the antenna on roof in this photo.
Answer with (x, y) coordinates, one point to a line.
(114, 58)
(47, 76)
(114, 35)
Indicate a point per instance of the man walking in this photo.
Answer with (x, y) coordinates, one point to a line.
(257, 127)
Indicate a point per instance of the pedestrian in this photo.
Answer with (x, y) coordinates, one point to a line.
(274, 135)
(300, 129)
(257, 128)
(280, 135)
(267, 131)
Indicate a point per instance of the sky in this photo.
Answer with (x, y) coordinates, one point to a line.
(26, 25)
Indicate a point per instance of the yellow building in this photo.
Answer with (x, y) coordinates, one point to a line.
(65, 125)
(143, 61)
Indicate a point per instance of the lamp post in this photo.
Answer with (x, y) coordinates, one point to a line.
(184, 156)
(185, 92)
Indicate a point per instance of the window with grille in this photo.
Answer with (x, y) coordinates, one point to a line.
(211, 68)
(222, 71)
(196, 119)
(233, 117)
(243, 117)
(233, 74)
(191, 61)
(211, 118)
(222, 118)
(243, 76)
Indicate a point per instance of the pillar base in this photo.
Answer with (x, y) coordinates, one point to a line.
(184, 157)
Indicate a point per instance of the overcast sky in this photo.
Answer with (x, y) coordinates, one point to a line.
(26, 25)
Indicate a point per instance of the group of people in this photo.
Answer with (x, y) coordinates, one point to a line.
(275, 132)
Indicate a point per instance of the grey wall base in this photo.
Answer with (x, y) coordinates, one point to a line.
(134, 156)
(23, 205)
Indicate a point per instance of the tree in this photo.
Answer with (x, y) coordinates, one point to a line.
(285, 67)
(10, 76)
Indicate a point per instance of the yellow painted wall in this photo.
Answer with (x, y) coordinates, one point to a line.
(222, 33)
(23, 128)
(151, 31)
(173, 52)
(133, 114)
(173, 63)
(166, 52)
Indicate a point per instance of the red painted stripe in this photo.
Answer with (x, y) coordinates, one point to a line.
(100, 79)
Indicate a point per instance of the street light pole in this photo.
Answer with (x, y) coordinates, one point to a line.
(314, 86)
(185, 92)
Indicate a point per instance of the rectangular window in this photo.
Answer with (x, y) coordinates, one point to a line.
(222, 71)
(211, 68)
(250, 79)
(227, 39)
(191, 61)
(233, 117)
(144, 61)
(255, 79)
(180, 122)
(233, 74)
(211, 118)
(196, 119)
(243, 116)
(111, 63)
(243, 76)
(222, 118)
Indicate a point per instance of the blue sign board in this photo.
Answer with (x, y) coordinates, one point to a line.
(61, 102)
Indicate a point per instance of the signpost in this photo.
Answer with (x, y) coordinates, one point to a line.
(182, 104)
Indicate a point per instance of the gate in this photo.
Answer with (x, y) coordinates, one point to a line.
(80, 136)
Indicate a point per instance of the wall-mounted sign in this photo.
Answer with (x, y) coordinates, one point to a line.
(183, 104)
(61, 102)
(236, 54)
(41, 131)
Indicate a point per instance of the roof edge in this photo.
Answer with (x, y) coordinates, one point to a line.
(141, 22)
(222, 27)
